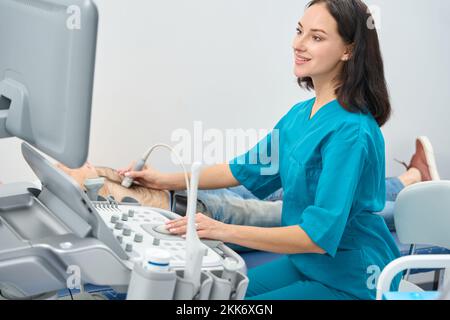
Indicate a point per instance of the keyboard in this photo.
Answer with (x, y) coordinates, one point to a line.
(140, 228)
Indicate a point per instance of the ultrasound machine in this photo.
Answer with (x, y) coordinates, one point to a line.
(52, 234)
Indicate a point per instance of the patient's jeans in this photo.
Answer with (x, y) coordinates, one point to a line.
(393, 188)
(239, 206)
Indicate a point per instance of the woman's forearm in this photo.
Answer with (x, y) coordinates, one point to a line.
(284, 240)
(213, 177)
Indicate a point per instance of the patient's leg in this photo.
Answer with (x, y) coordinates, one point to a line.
(230, 206)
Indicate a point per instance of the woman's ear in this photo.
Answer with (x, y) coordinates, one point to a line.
(348, 52)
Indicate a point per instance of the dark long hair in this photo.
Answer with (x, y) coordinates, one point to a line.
(361, 84)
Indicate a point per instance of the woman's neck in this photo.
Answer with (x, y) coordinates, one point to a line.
(325, 92)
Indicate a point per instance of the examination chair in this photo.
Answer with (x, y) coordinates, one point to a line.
(422, 215)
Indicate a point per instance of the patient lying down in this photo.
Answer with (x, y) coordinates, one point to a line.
(113, 187)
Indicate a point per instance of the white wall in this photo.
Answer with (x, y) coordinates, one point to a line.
(416, 47)
(163, 64)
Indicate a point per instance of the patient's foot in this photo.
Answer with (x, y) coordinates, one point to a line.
(423, 161)
(410, 177)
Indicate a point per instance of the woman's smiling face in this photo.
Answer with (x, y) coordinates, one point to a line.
(318, 48)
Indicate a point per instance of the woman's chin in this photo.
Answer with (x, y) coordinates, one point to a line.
(301, 73)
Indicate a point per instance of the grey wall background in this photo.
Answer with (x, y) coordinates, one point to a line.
(163, 64)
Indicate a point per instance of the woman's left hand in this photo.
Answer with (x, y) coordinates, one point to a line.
(206, 227)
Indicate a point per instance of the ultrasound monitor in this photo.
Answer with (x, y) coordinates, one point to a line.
(47, 59)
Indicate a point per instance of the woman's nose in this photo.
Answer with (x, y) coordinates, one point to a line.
(298, 44)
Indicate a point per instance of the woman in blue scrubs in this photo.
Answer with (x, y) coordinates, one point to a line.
(331, 168)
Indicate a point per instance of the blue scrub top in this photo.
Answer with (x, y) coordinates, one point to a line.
(332, 171)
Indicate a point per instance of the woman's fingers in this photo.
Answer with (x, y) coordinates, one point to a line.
(176, 222)
(206, 227)
(136, 174)
(183, 220)
(179, 226)
(178, 230)
(130, 167)
(181, 230)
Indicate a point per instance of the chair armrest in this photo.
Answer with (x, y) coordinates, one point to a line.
(409, 262)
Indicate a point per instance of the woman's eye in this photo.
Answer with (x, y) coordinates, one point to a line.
(299, 31)
(317, 38)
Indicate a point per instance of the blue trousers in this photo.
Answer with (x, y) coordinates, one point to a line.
(289, 284)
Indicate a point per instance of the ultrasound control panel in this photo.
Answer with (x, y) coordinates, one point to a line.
(140, 228)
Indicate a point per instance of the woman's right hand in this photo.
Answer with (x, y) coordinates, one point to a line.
(147, 177)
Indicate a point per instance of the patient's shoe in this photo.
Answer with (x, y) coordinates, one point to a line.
(423, 160)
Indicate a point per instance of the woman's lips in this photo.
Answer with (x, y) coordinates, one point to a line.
(301, 61)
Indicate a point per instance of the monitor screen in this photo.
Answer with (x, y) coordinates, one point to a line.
(47, 60)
